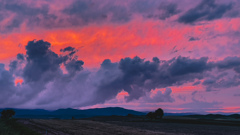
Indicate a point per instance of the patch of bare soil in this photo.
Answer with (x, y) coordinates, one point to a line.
(85, 127)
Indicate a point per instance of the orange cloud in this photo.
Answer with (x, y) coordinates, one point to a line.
(18, 81)
(144, 38)
(96, 43)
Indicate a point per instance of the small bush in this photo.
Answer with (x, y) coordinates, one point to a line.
(7, 114)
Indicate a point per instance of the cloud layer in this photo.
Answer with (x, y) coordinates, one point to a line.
(53, 80)
(17, 15)
(138, 54)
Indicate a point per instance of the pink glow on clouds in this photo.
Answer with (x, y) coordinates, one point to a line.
(235, 109)
(128, 40)
(141, 37)
(18, 81)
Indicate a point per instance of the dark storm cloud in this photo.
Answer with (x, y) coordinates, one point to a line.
(206, 10)
(40, 70)
(41, 61)
(137, 76)
(45, 84)
(42, 66)
(184, 65)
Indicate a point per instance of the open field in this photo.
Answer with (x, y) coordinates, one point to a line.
(119, 127)
(85, 127)
(183, 128)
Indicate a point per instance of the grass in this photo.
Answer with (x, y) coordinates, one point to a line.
(11, 127)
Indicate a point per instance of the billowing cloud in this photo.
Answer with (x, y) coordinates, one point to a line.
(40, 67)
(46, 85)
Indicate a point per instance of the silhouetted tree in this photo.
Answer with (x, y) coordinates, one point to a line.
(151, 115)
(159, 113)
(7, 114)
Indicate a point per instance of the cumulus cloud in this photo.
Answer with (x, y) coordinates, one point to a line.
(45, 85)
(40, 67)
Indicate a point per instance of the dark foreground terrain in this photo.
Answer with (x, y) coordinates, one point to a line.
(124, 126)
(85, 127)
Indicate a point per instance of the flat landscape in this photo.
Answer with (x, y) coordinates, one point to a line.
(121, 127)
(85, 127)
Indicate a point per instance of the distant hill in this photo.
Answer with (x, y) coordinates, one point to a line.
(69, 113)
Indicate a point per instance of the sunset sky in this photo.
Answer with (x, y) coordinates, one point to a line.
(180, 55)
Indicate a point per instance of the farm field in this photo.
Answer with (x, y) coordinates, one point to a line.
(85, 127)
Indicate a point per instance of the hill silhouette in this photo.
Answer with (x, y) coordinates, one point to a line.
(68, 113)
